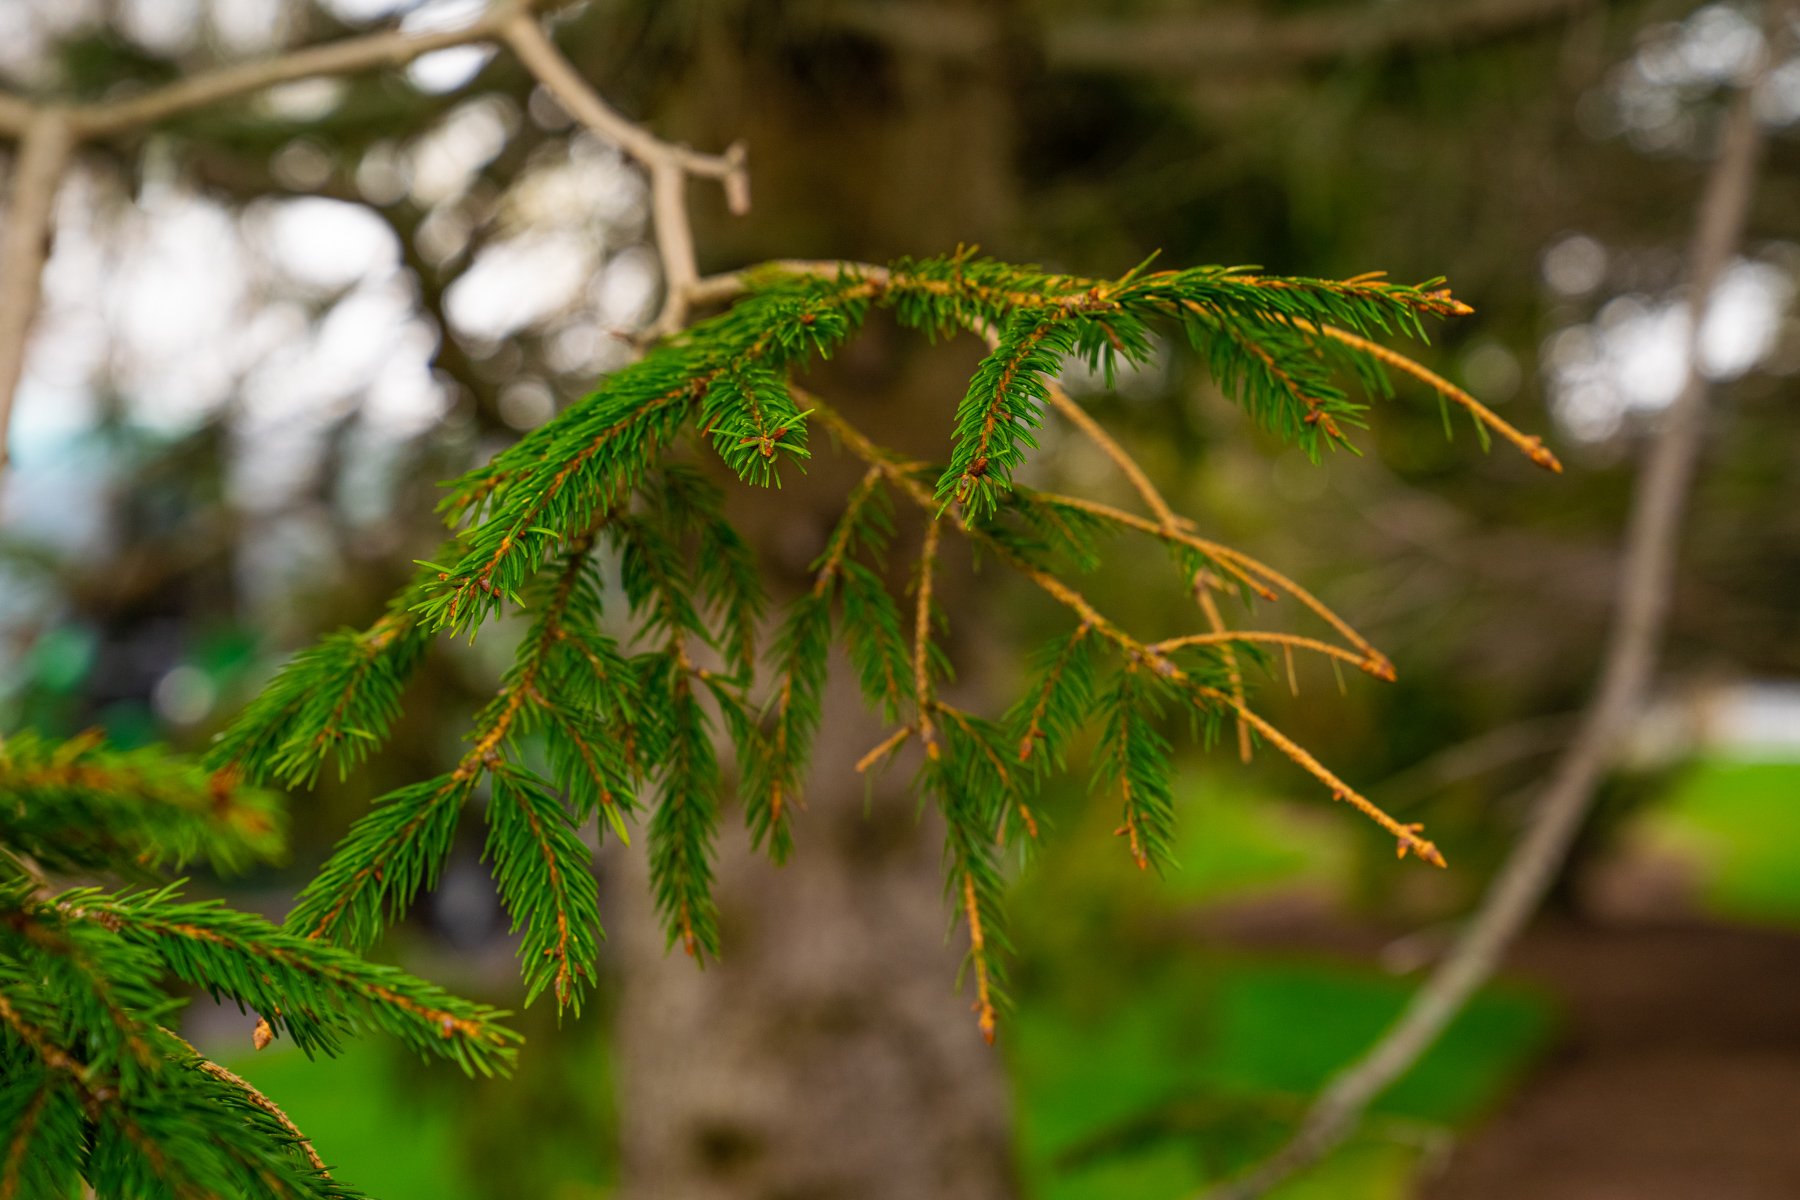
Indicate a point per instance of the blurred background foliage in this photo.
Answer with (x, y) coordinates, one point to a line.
(271, 328)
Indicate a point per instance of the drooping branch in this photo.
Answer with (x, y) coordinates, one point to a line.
(1645, 581)
(1150, 655)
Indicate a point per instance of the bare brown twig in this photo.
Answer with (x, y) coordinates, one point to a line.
(1644, 584)
(50, 132)
(44, 150)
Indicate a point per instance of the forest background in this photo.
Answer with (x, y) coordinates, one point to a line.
(269, 330)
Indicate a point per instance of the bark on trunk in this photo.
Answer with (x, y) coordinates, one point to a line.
(827, 1053)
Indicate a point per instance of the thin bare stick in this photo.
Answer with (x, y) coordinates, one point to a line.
(1531, 447)
(392, 48)
(1223, 638)
(669, 165)
(1406, 835)
(25, 246)
(888, 745)
(1379, 669)
(1645, 580)
(1244, 567)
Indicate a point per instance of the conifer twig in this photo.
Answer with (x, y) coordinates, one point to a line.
(1641, 600)
(922, 634)
(1530, 446)
(1222, 637)
(1407, 836)
(256, 1099)
(1165, 516)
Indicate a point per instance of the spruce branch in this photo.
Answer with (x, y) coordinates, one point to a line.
(1137, 651)
(1531, 447)
(79, 805)
(541, 868)
(315, 992)
(390, 853)
(614, 723)
(155, 1123)
(257, 1099)
(541, 865)
(334, 701)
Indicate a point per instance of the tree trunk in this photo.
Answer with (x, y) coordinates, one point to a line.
(827, 1053)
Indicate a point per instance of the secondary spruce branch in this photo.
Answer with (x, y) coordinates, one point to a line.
(95, 1085)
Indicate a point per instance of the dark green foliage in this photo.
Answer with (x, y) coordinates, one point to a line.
(877, 646)
(79, 806)
(1004, 404)
(1132, 761)
(388, 855)
(94, 1084)
(1059, 701)
(687, 814)
(309, 990)
(976, 788)
(772, 784)
(582, 466)
(541, 868)
(633, 708)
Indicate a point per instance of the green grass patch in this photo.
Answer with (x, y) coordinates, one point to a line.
(1739, 822)
(1206, 1060)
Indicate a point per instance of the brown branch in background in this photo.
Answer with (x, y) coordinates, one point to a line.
(1645, 581)
(49, 133)
(669, 165)
(1226, 41)
(38, 172)
(390, 48)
